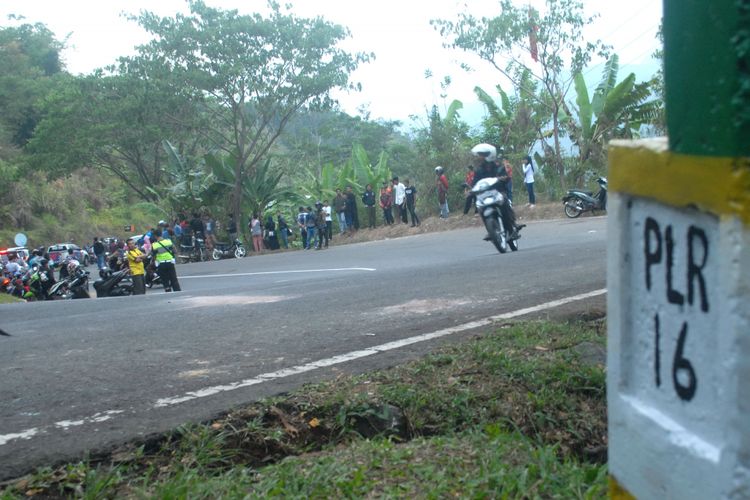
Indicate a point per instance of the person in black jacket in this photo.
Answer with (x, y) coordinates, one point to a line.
(368, 199)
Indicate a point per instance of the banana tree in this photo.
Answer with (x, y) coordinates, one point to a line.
(616, 110)
(367, 173)
(189, 181)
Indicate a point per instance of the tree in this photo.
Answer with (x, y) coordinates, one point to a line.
(250, 73)
(555, 39)
(29, 59)
(115, 123)
(616, 110)
(516, 121)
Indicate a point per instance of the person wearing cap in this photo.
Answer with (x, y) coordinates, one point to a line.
(163, 252)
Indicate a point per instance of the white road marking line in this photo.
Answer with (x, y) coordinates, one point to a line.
(295, 370)
(343, 358)
(279, 272)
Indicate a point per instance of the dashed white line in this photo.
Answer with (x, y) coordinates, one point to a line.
(295, 370)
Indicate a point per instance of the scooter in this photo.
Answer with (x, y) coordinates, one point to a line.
(74, 286)
(225, 250)
(115, 284)
(490, 203)
(577, 201)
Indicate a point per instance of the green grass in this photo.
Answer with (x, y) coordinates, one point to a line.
(517, 413)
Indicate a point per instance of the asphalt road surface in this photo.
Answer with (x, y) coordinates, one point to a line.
(83, 375)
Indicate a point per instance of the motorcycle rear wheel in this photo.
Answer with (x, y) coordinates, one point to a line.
(240, 252)
(216, 254)
(573, 208)
(493, 228)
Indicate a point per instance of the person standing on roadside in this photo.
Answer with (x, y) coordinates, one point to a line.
(321, 227)
(386, 202)
(137, 270)
(509, 183)
(329, 219)
(352, 214)
(399, 199)
(411, 202)
(256, 231)
(311, 223)
(232, 228)
(301, 218)
(528, 179)
(441, 184)
(368, 199)
(339, 205)
(283, 230)
(468, 182)
(163, 251)
(100, 253)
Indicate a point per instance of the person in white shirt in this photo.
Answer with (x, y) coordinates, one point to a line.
(329, 219)
(528, 179)
(399, 199)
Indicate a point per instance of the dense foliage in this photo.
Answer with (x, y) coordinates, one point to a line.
(233, 113)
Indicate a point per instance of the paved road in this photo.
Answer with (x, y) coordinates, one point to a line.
(86, 374)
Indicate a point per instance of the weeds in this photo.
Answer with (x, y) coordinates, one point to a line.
(519, 412)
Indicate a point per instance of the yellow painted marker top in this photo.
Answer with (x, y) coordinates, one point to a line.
(646, 168)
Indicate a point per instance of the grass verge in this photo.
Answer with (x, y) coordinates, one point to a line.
(516, 413)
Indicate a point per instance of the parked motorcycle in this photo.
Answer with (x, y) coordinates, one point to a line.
(226, 250)
(489, 202)
(192, 249)
(114, 284)
(74, 286)
(578, 201)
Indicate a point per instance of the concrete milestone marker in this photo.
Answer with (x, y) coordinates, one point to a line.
(678, 278)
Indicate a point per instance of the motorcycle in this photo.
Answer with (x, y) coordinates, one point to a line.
(192, 249)
(114, 284)
(578, 201)
(151, 277)
(225, 250)
(489, 202)
(74, 286)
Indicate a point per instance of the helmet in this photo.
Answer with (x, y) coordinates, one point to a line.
(486, 151)
(162, 223)
(438, 170)
(72, 266)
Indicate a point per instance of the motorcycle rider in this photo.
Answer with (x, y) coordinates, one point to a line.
(484, 167)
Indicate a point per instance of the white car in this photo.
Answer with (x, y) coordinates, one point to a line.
(59, 251)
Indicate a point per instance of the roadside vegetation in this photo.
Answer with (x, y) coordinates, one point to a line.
(216, 112)
(518, 412)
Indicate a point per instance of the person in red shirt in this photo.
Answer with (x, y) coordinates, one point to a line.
(441, 183)
(509, 182)
(468, 182)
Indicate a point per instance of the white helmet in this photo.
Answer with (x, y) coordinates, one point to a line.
(438, 170)
(486, 151)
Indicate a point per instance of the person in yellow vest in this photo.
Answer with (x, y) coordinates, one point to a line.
(163, 252)
(137, 271)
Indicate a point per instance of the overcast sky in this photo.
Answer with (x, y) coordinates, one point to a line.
(397, 31)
